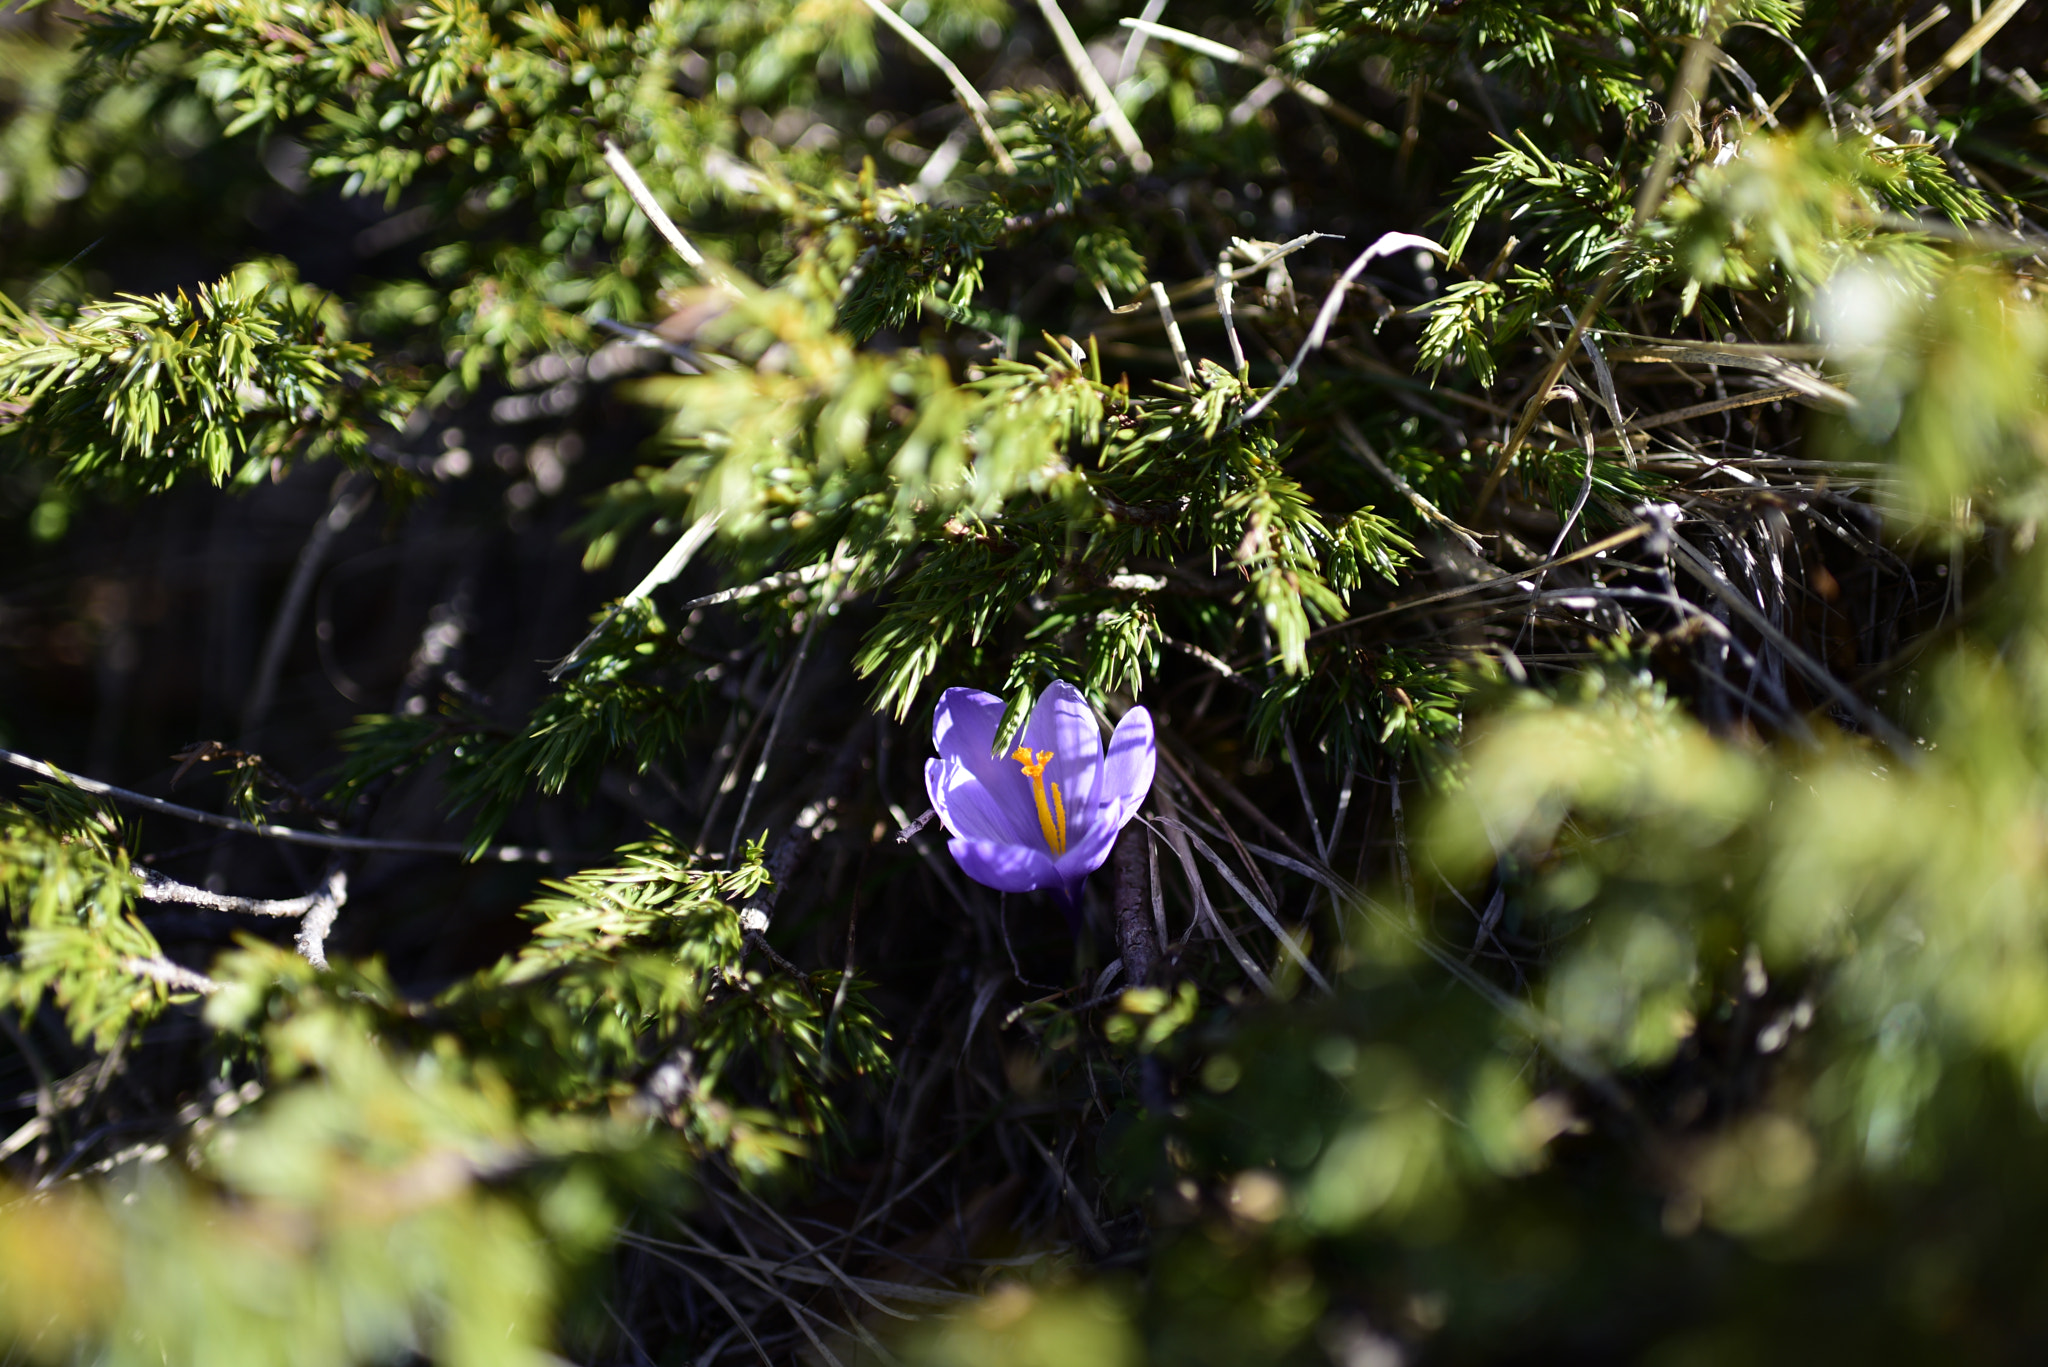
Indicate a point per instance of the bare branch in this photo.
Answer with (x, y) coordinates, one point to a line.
(174, 976)
(157, 888)
(910, 829)
(494, 854)
(1133, 909)
(311, 941)
(316, 910)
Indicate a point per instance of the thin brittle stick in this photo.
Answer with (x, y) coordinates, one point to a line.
(174, 976)
(1355, 439)
(796, 668)
(1684, 108)
(775, 583)
(663, 224)
(970, 98)
(1959, 53)
(1188, 289)
(1313, 94)
(671, 564)
(1226, 292)
(495, 854)
(1180, 347)
(157, 888)
(1327, 315)
(1104, 98)
(352, 493)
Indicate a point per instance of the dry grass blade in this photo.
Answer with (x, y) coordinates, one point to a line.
(1205, 912)
(1758, 359)
(667, 568)
(970, 98)
(800, 1314)
(711, 1288)
(1607, 543)
(1355, 439)
(1967, 46)
(1313, 94)
(1179, 776)
(1104, 98)
(1683, 109)
(1753, 399)
(796, 669)
(1226, 290)
(1091, 1229)
(1696, 565)
(834, 1274)
(1332, 302)
(1173, 337)
(1258, 907)
(644, 198)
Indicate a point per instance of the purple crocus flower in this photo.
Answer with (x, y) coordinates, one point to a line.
(1044, 815)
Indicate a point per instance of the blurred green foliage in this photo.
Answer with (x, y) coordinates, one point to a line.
(1646, 1031)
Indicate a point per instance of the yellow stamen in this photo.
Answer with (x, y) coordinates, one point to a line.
(1052, 816)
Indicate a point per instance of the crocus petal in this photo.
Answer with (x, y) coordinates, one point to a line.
(964, 729)
(1063, 723)
(1005, 867)
(1087, 851)
(1127, 769)
(963, 804)
(993, 808)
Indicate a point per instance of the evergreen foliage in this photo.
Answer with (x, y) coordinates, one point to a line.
(1565, 479)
